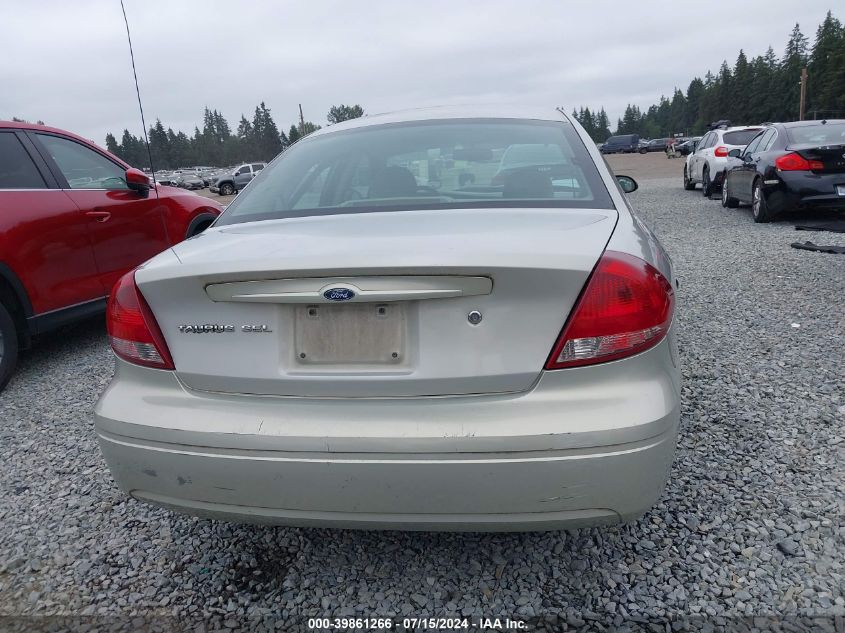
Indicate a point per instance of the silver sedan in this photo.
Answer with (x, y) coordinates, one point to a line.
(440, 319)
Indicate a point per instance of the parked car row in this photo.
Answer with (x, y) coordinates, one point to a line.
(191, 178)
(631, 143)
(788, 166)
(73, 220)
(225, 181)
(706, 165)
(774, 168)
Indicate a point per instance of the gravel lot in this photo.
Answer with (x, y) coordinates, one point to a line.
(751, 522)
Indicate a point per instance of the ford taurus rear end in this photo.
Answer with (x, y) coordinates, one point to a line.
(390, 329)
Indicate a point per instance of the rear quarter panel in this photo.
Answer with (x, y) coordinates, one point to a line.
(631, 235)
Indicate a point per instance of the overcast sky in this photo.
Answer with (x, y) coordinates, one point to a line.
(68, 64)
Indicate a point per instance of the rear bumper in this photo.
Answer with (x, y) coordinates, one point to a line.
(804, 190)
(584, 447)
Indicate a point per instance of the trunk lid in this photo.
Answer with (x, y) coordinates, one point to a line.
(250, 307)
(832, 156)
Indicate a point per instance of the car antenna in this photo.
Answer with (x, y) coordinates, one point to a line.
(140, 106)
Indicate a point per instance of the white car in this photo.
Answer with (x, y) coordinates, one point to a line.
(708, 163)
(368, 339)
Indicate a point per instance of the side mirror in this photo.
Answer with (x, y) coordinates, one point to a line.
(627, 184)
(735, 153)
(138, 181)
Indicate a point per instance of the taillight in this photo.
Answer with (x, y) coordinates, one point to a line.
(626, 308)
(134, 334)
(796, 162)
(721, 151)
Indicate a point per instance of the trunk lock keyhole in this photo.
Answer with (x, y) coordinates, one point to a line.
(474, 317)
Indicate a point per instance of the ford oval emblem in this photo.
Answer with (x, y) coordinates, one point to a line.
(339, 294)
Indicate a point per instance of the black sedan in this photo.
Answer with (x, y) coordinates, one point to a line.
(787, 167)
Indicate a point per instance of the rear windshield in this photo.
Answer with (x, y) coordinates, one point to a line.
(620, 139)
(739, 137)
(456, 164)
(827, 134)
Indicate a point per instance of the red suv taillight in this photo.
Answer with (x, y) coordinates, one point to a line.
(134, 334)
(721, 151)
(626, 308)
(796, 162)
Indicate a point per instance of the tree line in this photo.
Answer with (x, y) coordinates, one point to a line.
(756, 90)
(216, 144)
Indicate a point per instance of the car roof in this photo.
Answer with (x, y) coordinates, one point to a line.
(811, 123)
(740, 128)
(540, 113)
(19, 125)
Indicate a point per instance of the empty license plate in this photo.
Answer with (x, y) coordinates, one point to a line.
(356, 333)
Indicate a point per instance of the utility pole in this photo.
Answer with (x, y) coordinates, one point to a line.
(302, 118)
(803, 94)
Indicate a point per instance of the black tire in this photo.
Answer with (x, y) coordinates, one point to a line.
(759, 207)
(227, 189)
(643, 151)
(689, 185)
(8, 346)
(706, 184)
(727, 201)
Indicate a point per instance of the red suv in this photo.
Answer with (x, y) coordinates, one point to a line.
(73, 219)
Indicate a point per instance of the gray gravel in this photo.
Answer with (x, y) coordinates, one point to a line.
(751, 522)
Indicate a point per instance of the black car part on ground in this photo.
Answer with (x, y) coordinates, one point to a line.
(834, 226)
(809, 246)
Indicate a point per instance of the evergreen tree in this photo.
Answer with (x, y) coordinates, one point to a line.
(266, 141)
(111, 144)
(742, 78)
(159, 147)
(602, 126)
(724, 92)
(306, 128)
(132, 150)
(246, 141)
(794, 59)
(832, 88)
(826, 68)
(695, 93)
(180, 149)
(764, 83)
(293, 134)
(344, 113)
(269, 140)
